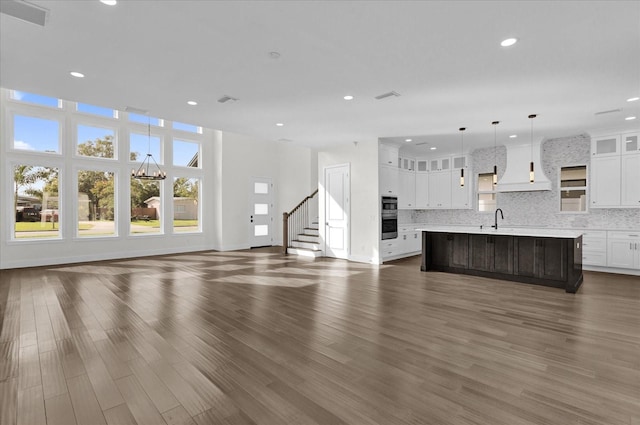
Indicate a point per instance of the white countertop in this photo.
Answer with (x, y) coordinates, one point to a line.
(515, 231)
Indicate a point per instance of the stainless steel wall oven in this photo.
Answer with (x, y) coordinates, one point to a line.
(389, 217)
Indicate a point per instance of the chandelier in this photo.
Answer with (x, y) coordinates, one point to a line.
(149, 169)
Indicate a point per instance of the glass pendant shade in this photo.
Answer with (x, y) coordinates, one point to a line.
(495, 175)
(531, 173)
(462, 129)
(495, 167)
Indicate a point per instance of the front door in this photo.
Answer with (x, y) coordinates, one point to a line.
(337, 210)
(261, 212)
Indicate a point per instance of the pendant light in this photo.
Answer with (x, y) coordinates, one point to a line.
(495, 166)
(462, 129)
(143, 172)
(531, 173)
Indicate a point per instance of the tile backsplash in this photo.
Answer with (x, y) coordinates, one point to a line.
(533, 209)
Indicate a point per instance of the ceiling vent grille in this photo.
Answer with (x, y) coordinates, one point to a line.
(389, 94)
(136, 110)
(226, 98)
(610, 111)
(24, 11)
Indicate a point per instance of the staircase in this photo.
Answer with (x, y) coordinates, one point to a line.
(306, 244)
(300, 233)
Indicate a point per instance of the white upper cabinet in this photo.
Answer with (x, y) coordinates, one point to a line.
(440, 164)
(459, 162)
(389, 180)
(605, 146)
(440, 189)
(630, 185)
(388, 155)
(460, 195)
(605, 182)
(630, 143)
(422, 190)
(406, 163)
(407, 190)
(615, 171)
(422, 165)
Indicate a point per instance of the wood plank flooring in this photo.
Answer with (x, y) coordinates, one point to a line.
(255, 337)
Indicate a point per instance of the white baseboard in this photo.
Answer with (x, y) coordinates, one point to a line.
(631, 272)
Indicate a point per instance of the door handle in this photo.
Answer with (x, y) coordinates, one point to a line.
(252, 219)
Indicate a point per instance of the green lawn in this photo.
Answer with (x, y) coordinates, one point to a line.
(176, 223)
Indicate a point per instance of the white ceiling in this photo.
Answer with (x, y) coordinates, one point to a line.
(573, 59)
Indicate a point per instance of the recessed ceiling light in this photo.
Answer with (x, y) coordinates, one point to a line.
(633, 99)
(433, 148)
(348, 97)
(630, 118)
(408, 140)
(513, 136)
(279, 124)
(508, 42)
(109, 2)
(192, 102)
(77, 74)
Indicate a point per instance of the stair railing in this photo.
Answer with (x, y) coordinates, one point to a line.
(295, 221)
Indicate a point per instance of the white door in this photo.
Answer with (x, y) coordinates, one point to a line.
(336, 208)
(261, 212)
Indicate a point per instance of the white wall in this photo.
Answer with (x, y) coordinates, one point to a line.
(364, 230)
(244, 157)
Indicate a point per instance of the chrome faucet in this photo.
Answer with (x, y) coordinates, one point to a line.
(495, 226)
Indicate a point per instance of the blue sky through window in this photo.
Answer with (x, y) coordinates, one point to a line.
(35, 134)
(143, 119)
(185, 127)
(139, 143)
(96, 110)
(35, 98)
(183, 152)
(90, 133)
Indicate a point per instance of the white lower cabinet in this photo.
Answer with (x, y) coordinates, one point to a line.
(389, 248)
(594, 248)
(623, 250)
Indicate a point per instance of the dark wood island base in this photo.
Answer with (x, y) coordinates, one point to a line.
(540, 260)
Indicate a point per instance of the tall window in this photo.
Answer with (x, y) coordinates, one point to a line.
(146, 207)
(36, 202)
(96, 203)
(185, 154)
(185, 204)
(573, 189)
(486, 192)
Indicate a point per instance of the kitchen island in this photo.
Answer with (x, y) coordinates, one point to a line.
(549, 257)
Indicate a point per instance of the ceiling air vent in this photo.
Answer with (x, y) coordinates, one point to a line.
(136, 110)
(610, 111)
(24, 11)
(226, 98)
(385, 95)
(422, 143)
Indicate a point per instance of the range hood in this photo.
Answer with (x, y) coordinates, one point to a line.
(516, 176)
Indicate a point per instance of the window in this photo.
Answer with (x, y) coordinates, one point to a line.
(141, 144)
(573, 189)
(36, 99)
(146, 207)
(36, 134)
(486, 193)
(144, 119)
(185, 205)
(96, 142)
(36, 202)
(187, 127)
(185, 154)
(96, 203)
(97, 110)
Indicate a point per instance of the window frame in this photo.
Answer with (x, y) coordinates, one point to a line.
(584, 188)
(484, 192)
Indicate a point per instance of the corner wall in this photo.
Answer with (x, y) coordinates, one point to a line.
(364, 230)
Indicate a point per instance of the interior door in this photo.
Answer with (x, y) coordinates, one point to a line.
(261, 212)
(337, 209)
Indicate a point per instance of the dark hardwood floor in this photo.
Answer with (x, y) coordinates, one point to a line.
(254, 337)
